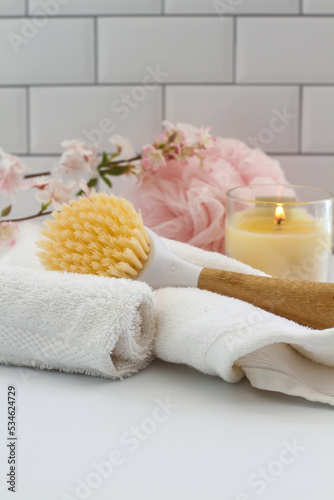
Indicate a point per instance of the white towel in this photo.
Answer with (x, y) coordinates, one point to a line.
(229, 338)
(215, 334)
(75, 323)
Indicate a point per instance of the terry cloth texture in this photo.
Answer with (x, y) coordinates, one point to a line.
(75, 323)
(230, 338)
(102, 326)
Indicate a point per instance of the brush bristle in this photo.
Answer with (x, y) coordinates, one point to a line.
(102, 234)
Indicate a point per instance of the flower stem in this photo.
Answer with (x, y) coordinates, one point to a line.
(39, 214)
(36, 175)
(137, 157)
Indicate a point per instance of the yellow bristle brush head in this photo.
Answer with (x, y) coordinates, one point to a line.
(101, 235)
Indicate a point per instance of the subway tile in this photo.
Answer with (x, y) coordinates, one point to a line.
(178, 49)
(285, 50)
(231, 7)
(39, 164)
(318, 7)
(318, 120)
(93, 114)
(266, 117)
(309, 170)
(61, 51)
(13, 122)
(97, 7)
(12, 8)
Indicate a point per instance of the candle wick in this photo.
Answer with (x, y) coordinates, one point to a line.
(279, 221)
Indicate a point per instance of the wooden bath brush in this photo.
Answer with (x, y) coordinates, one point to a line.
(104, 235)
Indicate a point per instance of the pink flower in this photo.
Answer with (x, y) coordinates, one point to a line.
(205, 138)
(11, 173)
(201, 142)
(7, 233)
(192, 136)
(124, 147)
(161, 139)
(152, 158)
(187, 203)
(173, 135)
(78, 158)
(39, 182)
(57, 193)
(190, 133)
(180, 143)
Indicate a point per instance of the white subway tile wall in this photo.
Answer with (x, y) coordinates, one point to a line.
(318, 7)
(93, 114)
(61, 51)
(271, 121)
(318, 120)
(13, 119)
(285, 50)
(12, 7)
(318, 170)
(257, 70)
(97, 7)
(176, 49)
(232, 7)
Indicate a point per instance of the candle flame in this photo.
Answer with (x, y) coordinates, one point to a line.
(279, 214)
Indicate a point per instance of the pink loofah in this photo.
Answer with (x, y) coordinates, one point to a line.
(186, 202)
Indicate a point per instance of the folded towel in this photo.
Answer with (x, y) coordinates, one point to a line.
(230, 338)
(217, 335)
(75, 323)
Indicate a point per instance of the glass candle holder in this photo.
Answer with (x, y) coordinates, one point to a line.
(283, 230)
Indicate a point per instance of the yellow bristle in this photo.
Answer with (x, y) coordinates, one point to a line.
(102, 234)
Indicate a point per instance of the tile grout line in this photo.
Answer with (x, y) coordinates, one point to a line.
(171, 84)
(163, 102)
(300, 132)
(175, 16)
(304, 155)
(28, 119)
(234, 48)
(96, 69)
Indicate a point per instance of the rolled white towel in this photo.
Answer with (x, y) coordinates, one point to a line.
(75, 323)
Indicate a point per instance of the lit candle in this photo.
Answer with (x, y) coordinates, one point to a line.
(279, 214)
(282, 239)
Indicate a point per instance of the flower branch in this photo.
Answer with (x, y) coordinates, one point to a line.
(39, 214)
(81, 165)
(111, 163)
(77, 160)
(31, 176)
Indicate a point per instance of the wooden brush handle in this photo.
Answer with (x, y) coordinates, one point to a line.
(305, 302)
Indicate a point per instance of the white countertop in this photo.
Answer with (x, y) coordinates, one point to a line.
(222, 442)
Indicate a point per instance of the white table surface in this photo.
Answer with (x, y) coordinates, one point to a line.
(222, 442)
